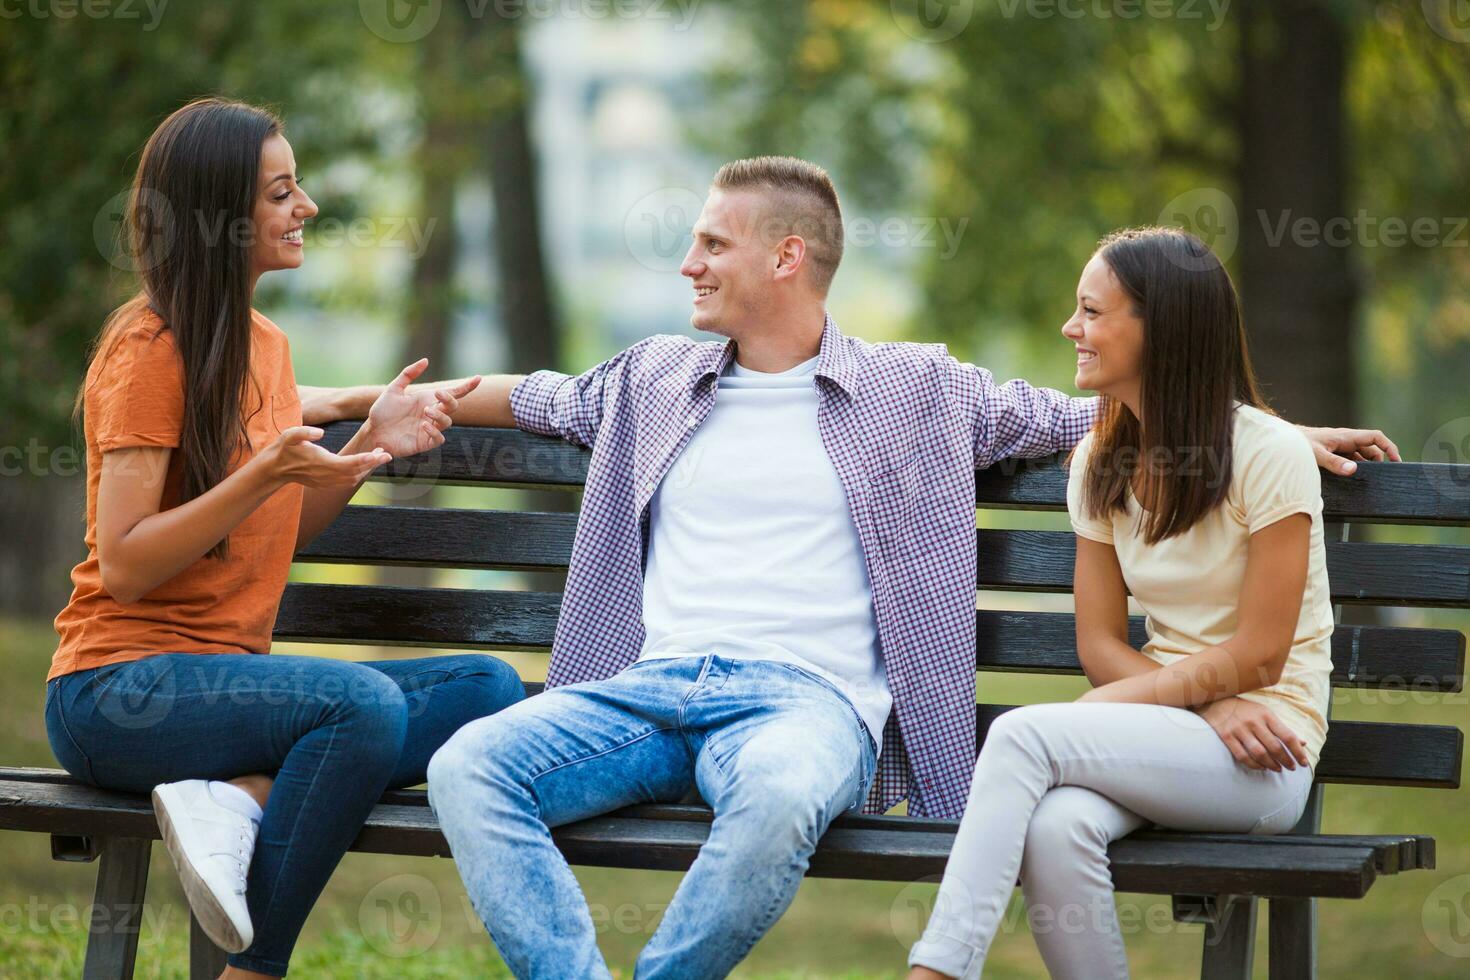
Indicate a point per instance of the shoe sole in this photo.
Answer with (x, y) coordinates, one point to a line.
(212, 917)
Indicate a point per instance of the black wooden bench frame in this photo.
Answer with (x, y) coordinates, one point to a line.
(1216, 879)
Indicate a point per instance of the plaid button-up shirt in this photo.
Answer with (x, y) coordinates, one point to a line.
(905, 425)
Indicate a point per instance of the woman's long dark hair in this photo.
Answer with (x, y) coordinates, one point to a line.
(189, 232)
(1195, 366)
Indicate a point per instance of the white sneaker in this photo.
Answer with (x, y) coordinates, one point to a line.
(211, 846)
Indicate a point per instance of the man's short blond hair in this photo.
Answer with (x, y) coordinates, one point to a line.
(801, 201)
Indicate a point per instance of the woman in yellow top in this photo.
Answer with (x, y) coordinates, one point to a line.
(1193, 496)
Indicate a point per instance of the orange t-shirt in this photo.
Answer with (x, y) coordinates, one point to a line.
(135, 397)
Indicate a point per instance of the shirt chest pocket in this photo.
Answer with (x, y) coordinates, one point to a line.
(283, 412)
(895, 498)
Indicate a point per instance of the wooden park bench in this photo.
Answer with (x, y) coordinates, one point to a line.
(1216, 879)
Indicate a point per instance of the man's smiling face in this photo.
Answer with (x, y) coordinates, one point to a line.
(729, 265)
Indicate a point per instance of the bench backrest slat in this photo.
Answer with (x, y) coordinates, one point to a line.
(1385, 657)
(1411, 661)
(1009, 560)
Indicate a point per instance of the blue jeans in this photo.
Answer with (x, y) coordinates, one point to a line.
(776, 751)
(333, 734)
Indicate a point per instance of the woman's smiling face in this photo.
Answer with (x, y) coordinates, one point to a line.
(1108, 335)
(281, 210)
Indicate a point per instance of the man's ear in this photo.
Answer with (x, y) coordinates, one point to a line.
(790, 254)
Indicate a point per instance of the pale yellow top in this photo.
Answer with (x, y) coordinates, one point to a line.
(1189, 585)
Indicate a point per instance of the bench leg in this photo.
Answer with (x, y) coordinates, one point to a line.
(117, 910)
(206, 960)
(1230, 939)
(1293, 928)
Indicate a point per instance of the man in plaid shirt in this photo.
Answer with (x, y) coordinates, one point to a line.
(771, 597)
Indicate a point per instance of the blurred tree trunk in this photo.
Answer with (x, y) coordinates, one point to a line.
(42, 523)
(440, 163)
(1298, 288)
(526, 307)
(1298, 283)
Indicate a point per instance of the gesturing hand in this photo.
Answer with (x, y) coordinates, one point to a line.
(295, 457)
(405, 422)
(1254, 735)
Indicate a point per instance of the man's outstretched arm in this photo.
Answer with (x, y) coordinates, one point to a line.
(488, 405)
(1018, 420)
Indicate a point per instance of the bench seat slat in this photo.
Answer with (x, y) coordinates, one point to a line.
(1399, 658)
(1164, 865)
(1392, 852)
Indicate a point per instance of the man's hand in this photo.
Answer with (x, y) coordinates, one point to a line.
(1340, 450)
(1254, 735)
(404, 422)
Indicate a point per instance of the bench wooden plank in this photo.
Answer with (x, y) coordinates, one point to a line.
(1358, 572)
(445, 537)
(391, 616)
(1393, 658)
(1008, 560)
(1379, 493)
(474, 456)
(1392, 852)
(1165, 866)
(1368, 752)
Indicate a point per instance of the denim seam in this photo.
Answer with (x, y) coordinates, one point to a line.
(596, 755)
(683, 728)
(66, 729)
(258, 964)
(295, 820)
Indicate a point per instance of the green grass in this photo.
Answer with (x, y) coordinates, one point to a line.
(407, 917)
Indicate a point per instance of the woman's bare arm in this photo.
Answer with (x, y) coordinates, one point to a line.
(1102, 616)
(1270, 605)
(139, 546)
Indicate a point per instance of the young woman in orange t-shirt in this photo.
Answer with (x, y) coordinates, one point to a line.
(202, 483)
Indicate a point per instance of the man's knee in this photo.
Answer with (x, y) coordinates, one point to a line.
(472, 751)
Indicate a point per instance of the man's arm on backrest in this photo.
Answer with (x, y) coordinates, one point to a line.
(1015, 419)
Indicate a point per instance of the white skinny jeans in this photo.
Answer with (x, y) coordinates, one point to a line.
(1053, 785)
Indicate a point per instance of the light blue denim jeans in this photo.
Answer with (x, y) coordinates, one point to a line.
(776, 751)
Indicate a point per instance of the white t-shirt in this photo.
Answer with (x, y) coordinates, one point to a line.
(752, 552)
(1189, 585)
